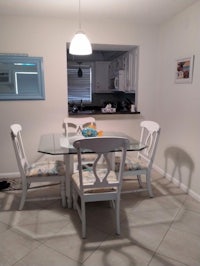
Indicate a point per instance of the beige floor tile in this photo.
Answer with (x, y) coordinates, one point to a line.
(119, 252)
(165, 187)
(3, 227)
(44, 256)
(14, 246)
(101, 216)
(192, 204)
(71, 228)
(160, 203)
(131, 201)
(41, 224)
(151, 217)
(188, 221)
(36, 198)
(162, 231)
(73, 246)
(9, 200)
(165, 261)
(147, 237)
(181, 246)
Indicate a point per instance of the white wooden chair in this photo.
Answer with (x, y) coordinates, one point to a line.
(98, 182)
(38, 172)
(142, 164)
(76, 124)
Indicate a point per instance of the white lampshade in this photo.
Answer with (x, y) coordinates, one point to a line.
(80, 45)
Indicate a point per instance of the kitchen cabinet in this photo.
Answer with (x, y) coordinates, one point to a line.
(125, 63)
(101, 83)
(132, 71)
(119, 63)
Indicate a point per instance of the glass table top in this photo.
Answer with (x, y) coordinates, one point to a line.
(58, 144)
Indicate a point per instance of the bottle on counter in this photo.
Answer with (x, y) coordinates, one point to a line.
(132, 108)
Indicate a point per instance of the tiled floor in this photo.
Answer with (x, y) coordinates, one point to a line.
(163, 231)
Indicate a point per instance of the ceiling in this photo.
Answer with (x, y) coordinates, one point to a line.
(139, 11)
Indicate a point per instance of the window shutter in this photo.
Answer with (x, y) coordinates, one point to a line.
(79, 88)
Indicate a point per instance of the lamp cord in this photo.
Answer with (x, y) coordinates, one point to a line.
(79, 14)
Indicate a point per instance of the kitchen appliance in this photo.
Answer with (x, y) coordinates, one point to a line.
(119, 81)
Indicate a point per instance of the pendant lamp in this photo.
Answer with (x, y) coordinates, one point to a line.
(80, 45)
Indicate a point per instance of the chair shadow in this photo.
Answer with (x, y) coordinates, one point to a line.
(101, 218)
(182, 161)
(118, 246)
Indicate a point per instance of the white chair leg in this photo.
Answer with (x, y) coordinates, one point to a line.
(75, 198)
(83, 219)
(69, 164)
(149, 187)
(117, 214)
(63, 193)
(112, 204)
(139, 180)
(23, 196)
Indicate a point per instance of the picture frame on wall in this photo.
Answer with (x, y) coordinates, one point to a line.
(184, 69)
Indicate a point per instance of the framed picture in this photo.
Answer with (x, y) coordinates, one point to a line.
(184, 70)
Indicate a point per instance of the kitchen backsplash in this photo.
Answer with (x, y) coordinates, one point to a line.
(119, 100)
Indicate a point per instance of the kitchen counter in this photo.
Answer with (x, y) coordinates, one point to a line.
(96, 112)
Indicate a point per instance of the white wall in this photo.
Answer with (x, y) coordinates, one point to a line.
(47, 38)
(178, 105)
(175, 107)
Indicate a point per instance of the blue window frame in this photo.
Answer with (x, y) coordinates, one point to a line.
(21, 78)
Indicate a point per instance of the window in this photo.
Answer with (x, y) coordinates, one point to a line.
(99, 88)
(79, 83)
(21, 78)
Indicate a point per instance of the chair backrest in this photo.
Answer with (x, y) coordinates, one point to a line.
(77, 124)
(20, 154)
(99, 173)
(150, 132)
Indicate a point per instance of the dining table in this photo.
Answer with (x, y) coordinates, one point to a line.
(61, 144)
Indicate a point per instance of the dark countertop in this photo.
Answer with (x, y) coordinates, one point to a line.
(96, 112)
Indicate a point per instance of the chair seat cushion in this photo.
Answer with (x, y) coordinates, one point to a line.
(89, 179)
(46, 168)
(131, 164)
(88, 157)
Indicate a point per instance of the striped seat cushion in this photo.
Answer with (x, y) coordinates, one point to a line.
(89, 179)
(130, 164)
(46, 168)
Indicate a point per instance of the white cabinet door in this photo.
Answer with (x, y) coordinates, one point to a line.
(131, 70)
(101, 76)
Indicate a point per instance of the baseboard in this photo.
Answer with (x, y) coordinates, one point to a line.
(9, 175)
(177, 183)
(157, 168)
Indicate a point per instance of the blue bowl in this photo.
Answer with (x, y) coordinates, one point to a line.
(89, 132)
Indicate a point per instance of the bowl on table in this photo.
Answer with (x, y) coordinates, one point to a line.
(89, 132)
